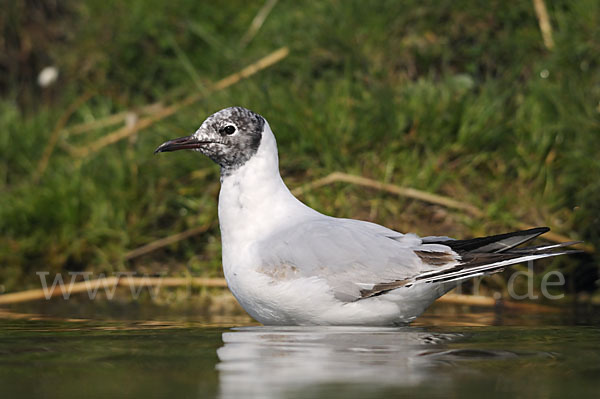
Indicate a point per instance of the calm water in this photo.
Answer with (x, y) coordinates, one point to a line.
(531, 356)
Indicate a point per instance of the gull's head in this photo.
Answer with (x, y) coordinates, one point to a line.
(230, 137)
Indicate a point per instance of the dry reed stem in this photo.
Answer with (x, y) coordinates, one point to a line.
(215, 282)
(422, 196)
(137, 282)
(473, 300)
(485, 301)
(60, 124)
(143, 123)
(544, 21)
(257, 22)
(163, 242)
(110, 120)
(391, 188)
(32, 295)
(110, 283)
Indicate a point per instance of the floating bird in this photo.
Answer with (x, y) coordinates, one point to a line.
(288, 264)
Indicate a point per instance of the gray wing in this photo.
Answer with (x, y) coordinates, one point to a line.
(361, 259)
(358, 259)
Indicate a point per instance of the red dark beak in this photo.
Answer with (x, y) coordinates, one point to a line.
(182, 143)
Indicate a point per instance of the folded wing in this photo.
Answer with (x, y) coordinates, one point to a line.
(360, 260)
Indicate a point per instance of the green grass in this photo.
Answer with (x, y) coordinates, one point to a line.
(444, 96)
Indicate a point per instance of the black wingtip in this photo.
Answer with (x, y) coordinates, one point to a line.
(495, 243)
(538, 230)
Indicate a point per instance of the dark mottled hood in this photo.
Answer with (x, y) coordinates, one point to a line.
(229, 137)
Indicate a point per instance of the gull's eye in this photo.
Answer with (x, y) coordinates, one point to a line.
(229, 130)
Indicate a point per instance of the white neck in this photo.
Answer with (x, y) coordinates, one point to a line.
(254, 201)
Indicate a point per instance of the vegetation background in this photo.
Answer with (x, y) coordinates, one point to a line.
(462, 98)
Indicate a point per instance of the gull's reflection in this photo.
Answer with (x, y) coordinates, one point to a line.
(271, 361)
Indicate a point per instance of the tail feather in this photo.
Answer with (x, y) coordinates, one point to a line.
(465, 270)
(545, 247)
(487, 255)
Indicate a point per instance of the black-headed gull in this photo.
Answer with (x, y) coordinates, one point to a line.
(288, 264)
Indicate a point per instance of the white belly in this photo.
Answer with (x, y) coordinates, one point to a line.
(309, 301)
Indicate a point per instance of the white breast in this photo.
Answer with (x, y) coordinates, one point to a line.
(254, 203)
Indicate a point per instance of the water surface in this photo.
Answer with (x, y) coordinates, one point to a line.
(548, 357)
